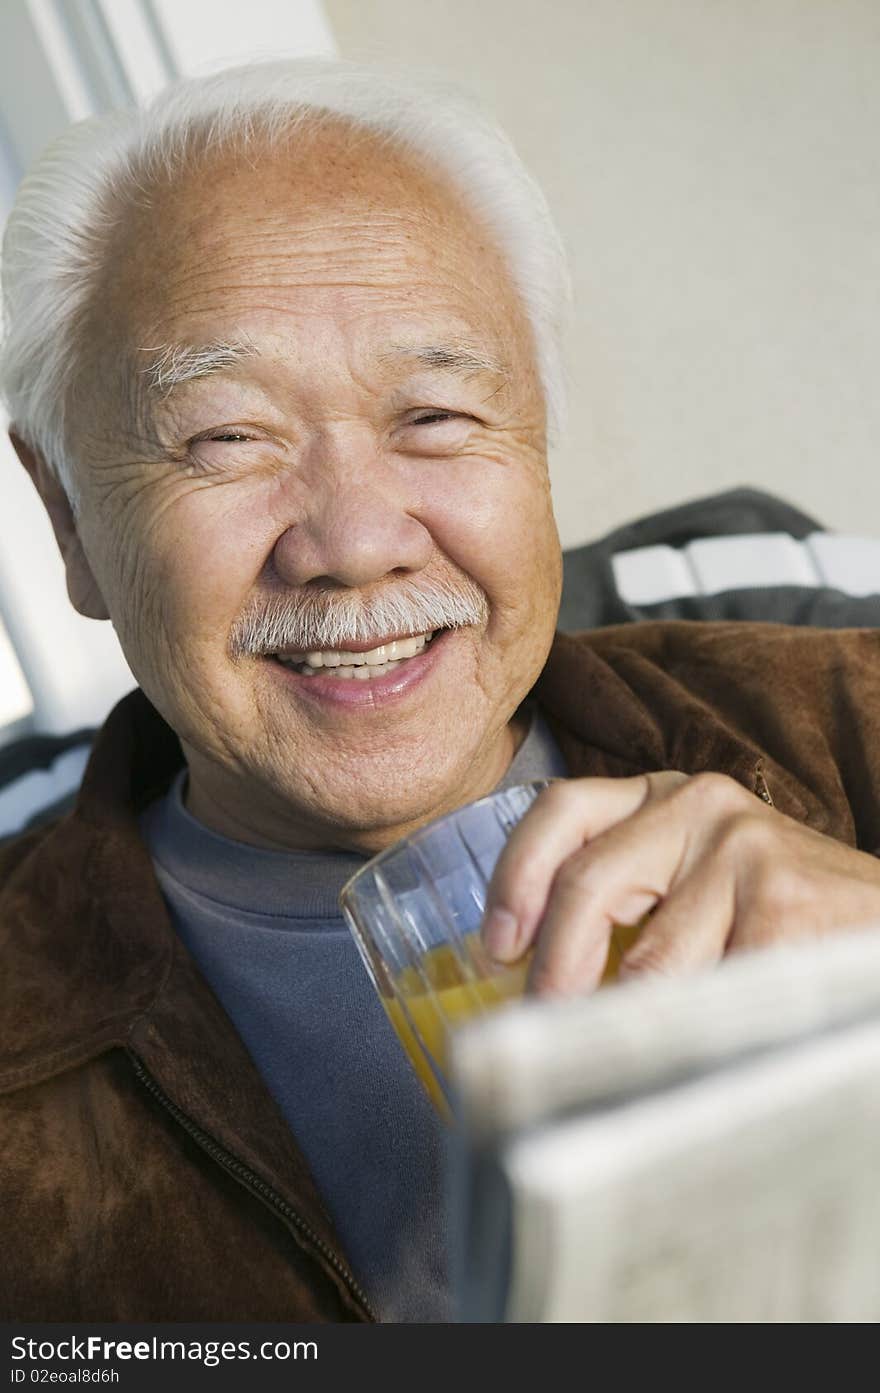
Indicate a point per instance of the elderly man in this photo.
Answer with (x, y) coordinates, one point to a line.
(279, 357)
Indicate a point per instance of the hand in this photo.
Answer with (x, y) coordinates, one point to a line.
(720, 870)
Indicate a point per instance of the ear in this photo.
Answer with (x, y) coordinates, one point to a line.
(81, 584)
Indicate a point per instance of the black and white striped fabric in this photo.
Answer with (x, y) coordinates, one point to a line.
(737, 555)
(39, 777)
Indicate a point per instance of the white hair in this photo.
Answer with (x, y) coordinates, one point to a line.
(76, 196)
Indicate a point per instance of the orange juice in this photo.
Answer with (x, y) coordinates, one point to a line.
(450, 995)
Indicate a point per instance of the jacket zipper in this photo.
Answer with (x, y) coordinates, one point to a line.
(249, 1179)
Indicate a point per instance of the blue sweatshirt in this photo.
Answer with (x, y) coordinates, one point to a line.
(266, 931)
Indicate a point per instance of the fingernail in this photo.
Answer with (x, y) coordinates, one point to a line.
(500, 933)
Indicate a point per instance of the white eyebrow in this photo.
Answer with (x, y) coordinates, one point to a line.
(448, 357)
(175, 364)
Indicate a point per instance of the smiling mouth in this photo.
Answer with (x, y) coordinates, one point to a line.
(351, 665)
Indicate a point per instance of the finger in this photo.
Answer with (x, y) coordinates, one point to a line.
(564, 816)
(691, 929)
(618, 878)
(582, 959)
(733, 897)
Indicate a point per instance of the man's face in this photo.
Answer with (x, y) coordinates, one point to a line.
(378, 427)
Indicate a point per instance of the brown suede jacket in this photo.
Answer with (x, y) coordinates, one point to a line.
(147, 1173)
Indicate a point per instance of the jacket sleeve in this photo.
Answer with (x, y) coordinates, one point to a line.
(805, 702)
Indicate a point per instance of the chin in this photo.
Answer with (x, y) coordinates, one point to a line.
(381, 813)
(375, 816)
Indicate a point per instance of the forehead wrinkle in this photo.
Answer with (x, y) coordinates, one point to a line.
(381, 251)
(198, 292)
(313, 267)
(234, 249)
(274, 295)
(219, 299)
(314, 254)
(201, 252)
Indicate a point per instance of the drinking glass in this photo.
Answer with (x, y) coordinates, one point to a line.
(415, 912)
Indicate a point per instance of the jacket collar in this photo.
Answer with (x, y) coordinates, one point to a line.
(89, 943)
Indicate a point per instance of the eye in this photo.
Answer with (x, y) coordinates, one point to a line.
(431, 418)
(435, 431)
(200, 456)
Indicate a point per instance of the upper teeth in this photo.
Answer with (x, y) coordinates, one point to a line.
(385, 653)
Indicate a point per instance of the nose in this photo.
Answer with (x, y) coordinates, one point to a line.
(354, 526)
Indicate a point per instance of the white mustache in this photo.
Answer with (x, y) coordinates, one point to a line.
(316, 621)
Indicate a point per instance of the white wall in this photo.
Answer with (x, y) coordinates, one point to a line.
(715, 168)
(203, 35)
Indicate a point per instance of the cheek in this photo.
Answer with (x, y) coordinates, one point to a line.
(495, 521)
(192, 570)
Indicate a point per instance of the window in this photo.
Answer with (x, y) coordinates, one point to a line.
(16, 702)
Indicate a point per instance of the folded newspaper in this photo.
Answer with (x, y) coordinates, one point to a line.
(699, 1149)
